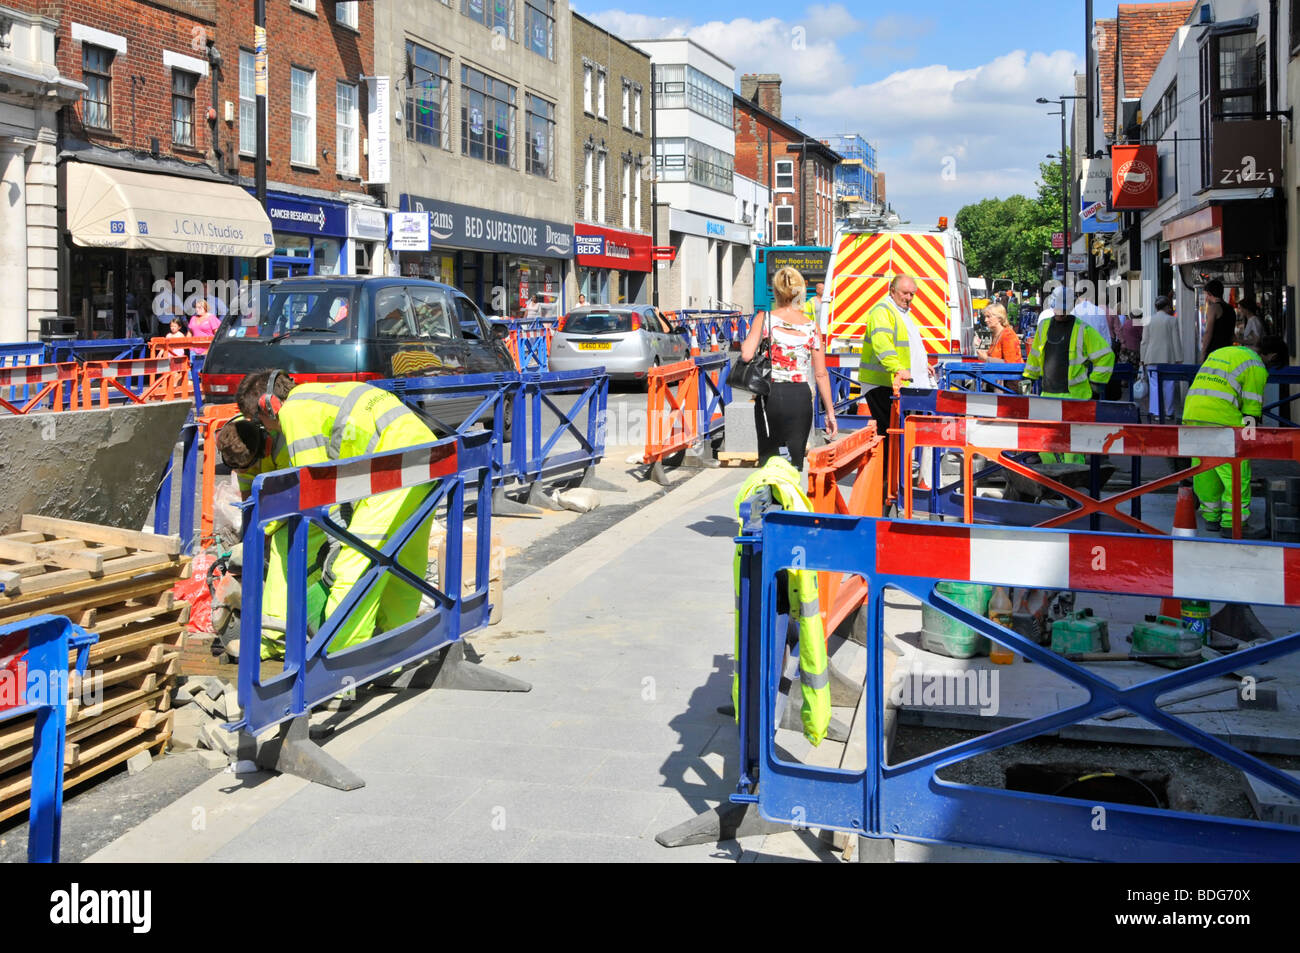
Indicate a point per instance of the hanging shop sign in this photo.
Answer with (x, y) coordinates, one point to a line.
(1137, 180)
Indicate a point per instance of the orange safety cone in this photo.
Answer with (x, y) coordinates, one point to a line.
(1184, 525)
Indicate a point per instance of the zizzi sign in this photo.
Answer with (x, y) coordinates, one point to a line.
(1247, 155)
(462, 226)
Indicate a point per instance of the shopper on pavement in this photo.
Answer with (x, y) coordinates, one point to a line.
(1005, 348)
(1220, 320)
(1161, 344)
(784, 418)
(1250, 326)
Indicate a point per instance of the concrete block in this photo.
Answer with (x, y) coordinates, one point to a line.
(215, 709)
(118, 454)
(741, 434)
(580, 500)
(138, 762)
(233, 711)
(1270, 804)
(214, 760)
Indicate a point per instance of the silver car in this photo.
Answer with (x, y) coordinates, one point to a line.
(626, 340)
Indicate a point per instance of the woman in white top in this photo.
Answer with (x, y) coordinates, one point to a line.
(1249, 324)
(784, 417)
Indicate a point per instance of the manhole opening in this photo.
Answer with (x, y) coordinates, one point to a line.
(1085, 782)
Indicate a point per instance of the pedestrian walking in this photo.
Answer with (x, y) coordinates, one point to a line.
(174, 331)
(1228, 389)
(204, 324)
(784, 417)
(1161, 344)
(1220, 320)
(1005, 348)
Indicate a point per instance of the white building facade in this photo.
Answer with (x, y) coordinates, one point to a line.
(32, 94)
(695, 202)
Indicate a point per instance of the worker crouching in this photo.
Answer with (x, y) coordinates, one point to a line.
(1228, 389)
(322, 423)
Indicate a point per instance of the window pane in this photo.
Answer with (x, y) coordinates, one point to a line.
(96, 67)
(183, 107)
(247, 102)
(346, 144)
(302, 126)
(1237, 61)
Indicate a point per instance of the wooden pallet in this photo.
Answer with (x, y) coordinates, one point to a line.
(739, 458)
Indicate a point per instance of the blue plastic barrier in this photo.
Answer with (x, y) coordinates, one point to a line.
(715, 393)
(484, 393)
(109, 349)
(909, 801)
(302, 498)
(533, 343)
(22, 355)
(982, 375)
(189, 440)
(536, 459)
(43, 642)
(1186, 373)
(844, 382)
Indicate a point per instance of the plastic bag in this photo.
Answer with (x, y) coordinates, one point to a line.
(194, 590)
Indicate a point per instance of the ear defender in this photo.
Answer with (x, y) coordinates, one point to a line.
(268, 403)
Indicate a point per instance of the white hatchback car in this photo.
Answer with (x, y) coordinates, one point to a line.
(626, 340)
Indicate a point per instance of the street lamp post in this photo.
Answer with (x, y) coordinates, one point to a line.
(1065, 177)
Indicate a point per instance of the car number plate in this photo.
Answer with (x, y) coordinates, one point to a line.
(595, 346)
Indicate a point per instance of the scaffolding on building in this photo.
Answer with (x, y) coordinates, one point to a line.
(855, 176)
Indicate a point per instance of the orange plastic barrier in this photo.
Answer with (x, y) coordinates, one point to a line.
(166, 375)
(47, 376)
(215, 416)
(180, 347)
(672, 410)
(857, 455)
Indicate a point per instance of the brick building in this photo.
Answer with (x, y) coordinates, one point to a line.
(799, 169)
(613, 162)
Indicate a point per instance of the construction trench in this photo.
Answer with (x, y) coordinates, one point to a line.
(933, 700)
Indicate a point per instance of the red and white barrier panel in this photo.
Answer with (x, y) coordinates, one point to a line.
(358, 479)
(134, 367)
(844, 361)
(1018, 408)
(36, 374)
(1266, 574)
(1156, 440)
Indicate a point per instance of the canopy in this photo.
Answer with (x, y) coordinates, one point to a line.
(121, 208)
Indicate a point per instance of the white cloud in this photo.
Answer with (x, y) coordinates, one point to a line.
(638, 26)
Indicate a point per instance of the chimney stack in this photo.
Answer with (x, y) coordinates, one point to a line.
(763, 89)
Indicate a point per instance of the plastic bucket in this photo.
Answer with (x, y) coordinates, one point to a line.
(944, 635)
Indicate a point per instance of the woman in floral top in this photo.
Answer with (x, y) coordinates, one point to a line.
(784, 417)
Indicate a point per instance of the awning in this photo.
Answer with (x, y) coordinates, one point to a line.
(120, 208)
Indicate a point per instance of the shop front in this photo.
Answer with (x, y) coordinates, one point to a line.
(613, 265)
(139, 246)
(510, 265)
(1241, 243)
(713, 267)
(310, 236)
(367, 233)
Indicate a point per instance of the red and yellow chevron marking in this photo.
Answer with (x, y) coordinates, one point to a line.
(865, 263)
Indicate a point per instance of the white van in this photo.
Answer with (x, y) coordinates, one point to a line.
(865, 259)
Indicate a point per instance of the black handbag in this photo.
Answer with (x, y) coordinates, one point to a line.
(754, 375)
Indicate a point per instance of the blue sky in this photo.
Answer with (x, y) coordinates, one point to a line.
(945, 89)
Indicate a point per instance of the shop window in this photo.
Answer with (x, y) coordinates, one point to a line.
(302, 110)
(183, 86)
(97, 74)
(346, 129)
(1231, 87)
(345, 12)
(496, 15)
(487, 118)
(540, 149)
(431, 310)
(428, 96)
(539, 27)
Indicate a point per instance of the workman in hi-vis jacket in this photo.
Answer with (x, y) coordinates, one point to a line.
(326, 422)
(1228, 388)
(1073, 360)
(250, 450)
(815, 711)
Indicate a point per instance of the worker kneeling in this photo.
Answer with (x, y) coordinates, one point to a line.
(321, 423)
(1228, 388)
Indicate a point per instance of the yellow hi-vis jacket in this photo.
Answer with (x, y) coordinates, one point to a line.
(815, 709)
(886, 347)
(1086, 348)
(1228, 388)
(323, 422)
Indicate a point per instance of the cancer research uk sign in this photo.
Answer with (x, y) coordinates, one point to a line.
(462, 226)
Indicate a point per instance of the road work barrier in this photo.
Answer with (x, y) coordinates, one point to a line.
(685, 408)
(859, 458)
(993, 439)
(540, 425)
(306, 497)
(842, 369)
(169, 488)
(908, 800)
(39, 385)
(1286, 377)
(136, 381)
(529, 344)
(34, 673)
(946, 499)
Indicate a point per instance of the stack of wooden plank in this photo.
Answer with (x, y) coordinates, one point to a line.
(117, 584)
